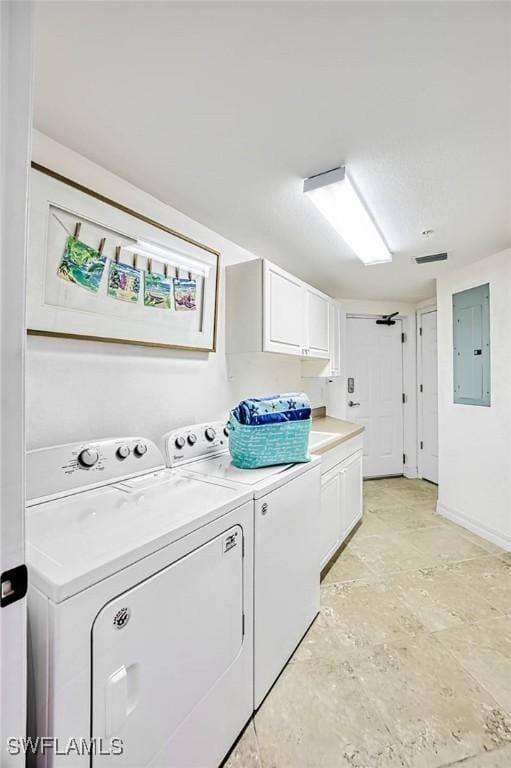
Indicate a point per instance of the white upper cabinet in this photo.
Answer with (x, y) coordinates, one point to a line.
(283, 311)
(317, 316)
(335, 338)
(270, 310)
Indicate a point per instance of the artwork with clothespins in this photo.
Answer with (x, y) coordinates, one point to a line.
(123, 279)
(157, 288)
(185, 293)
(81, 264)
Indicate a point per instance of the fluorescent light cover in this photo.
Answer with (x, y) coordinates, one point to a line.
(337, 199)
(168, 256)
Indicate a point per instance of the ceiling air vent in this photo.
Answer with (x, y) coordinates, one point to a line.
(432, 257)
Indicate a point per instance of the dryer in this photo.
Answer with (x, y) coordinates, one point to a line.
(286, 507)
(140, 609)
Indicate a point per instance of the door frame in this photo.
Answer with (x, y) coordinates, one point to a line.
(420, 312)
(409, 323)
(15, 132)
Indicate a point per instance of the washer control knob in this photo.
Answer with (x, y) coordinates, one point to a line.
(123, 452)
(140, 449)
(192, 439)
(179, 442)
(210, 434)
(226, 432)
(88, 457)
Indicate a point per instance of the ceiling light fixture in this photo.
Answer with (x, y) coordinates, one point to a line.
(335, 196)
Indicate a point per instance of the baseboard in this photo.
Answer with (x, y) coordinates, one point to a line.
(501, 540)
(410, 472)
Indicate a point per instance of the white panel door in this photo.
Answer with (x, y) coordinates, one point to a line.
(375, 363)
(283, 311)
(15, 132)
(428, 398)
(317, 313)
(156, 674)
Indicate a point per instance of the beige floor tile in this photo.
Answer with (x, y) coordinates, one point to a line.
(246, 752)
(484, 650)
(489, 577)
(346, 567)
(366, 613)
(319, 716)
(440, 600)
(488, 546)
(435, 711)
(497, 758)
(402, 518)
(369, 526)
(389, 552)
(443, 544)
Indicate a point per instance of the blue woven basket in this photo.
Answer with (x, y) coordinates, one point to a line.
(263, 445)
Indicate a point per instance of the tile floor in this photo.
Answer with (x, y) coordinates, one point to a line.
(409, 663)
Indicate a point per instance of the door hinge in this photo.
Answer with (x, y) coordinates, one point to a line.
(13, 585)
(421, 388)
(422, 446)
(243, 546)
(403, 397)
(403, 338)
(404, 458)
(243, 624)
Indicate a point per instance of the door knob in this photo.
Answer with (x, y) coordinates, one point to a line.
(352, 404)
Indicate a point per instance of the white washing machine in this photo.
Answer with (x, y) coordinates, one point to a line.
(286, 503)
(140, 609)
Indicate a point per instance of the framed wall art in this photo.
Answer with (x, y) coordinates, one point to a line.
(99, 270)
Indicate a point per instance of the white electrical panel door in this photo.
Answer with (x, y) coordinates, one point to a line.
(161, 653)
(286, 576)
(283, 311)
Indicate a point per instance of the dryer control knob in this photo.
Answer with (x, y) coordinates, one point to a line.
(226, 432)
(179, 442)
(192, 439)
(210, 434)
(88, 457)
(140, 449)
(123, 452)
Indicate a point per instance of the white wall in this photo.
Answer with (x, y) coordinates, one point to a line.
(475, 441)
(79, 389)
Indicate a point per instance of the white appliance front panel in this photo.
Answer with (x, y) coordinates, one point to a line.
(76, 541)
(286, 574)
(160, 649)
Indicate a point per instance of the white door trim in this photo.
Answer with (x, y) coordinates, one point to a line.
(15, 146)
(422, 311)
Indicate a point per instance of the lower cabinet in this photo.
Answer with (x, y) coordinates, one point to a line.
(341, 504)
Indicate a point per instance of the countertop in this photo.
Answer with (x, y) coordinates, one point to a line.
(344, 429)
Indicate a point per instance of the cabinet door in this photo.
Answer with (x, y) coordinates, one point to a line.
(318, 322)
(335, 338)
(283, 311)
(352, 503)
(330, 524)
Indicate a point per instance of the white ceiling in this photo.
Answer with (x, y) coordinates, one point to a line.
(221, 109)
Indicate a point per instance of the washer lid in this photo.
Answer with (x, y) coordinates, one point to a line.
(79, 540)
(260, 481)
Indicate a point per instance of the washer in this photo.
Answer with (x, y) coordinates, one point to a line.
(286, 503)
(140, 608)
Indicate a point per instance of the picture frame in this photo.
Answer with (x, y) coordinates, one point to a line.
(88, 257)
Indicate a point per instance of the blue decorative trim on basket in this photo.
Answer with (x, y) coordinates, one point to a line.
(263, 445)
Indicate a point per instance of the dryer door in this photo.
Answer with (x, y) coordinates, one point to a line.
(160, 650)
